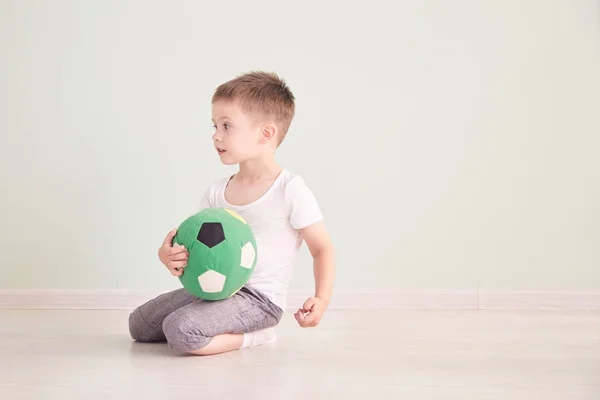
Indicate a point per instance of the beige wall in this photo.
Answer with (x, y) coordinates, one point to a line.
(451, 144)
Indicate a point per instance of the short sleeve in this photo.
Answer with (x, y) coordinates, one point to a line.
(302, 207)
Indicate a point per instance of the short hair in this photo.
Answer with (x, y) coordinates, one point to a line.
(260, 92)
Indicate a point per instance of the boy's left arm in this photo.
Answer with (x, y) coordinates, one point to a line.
(320, 246)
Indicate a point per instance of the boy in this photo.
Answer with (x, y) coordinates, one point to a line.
(251, 115)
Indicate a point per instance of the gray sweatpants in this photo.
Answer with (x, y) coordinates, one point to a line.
(189, 323)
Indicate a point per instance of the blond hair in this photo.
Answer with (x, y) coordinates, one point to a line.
(262, 93)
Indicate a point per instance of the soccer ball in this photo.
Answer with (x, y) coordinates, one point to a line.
(222, 253)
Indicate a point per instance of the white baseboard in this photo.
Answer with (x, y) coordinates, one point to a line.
(115, 299)
(537, 300)
(74, 299)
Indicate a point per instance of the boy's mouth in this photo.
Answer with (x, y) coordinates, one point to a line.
(220, 151)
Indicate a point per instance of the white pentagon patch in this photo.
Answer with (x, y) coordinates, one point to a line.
(248, 255)
(211, 281)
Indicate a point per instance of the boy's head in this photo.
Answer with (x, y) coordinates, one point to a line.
(251, 115)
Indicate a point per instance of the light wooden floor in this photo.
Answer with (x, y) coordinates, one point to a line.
(352, 355)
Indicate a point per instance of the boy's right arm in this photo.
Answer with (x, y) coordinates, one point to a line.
(173, 257)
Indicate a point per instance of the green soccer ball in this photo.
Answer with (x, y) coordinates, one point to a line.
(222, 253)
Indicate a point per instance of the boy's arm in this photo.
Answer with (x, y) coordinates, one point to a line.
(321, 249)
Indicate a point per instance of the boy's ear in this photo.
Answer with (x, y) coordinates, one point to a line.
(268, 133)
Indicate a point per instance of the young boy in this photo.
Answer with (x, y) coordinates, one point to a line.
(251, 115)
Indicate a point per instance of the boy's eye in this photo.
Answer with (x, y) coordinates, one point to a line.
(225, 126)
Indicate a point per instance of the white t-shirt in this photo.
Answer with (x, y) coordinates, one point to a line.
(275, 218)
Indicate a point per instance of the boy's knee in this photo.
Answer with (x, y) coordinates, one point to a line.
(182, 334)
(138, 328)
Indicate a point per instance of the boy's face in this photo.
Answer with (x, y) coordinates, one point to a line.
(237, 136)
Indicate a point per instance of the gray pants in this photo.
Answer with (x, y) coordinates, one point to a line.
(189, 323)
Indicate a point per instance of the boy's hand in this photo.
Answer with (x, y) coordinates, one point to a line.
(174, 257)
(311, 312)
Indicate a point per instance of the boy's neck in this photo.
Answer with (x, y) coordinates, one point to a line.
(259, 169)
